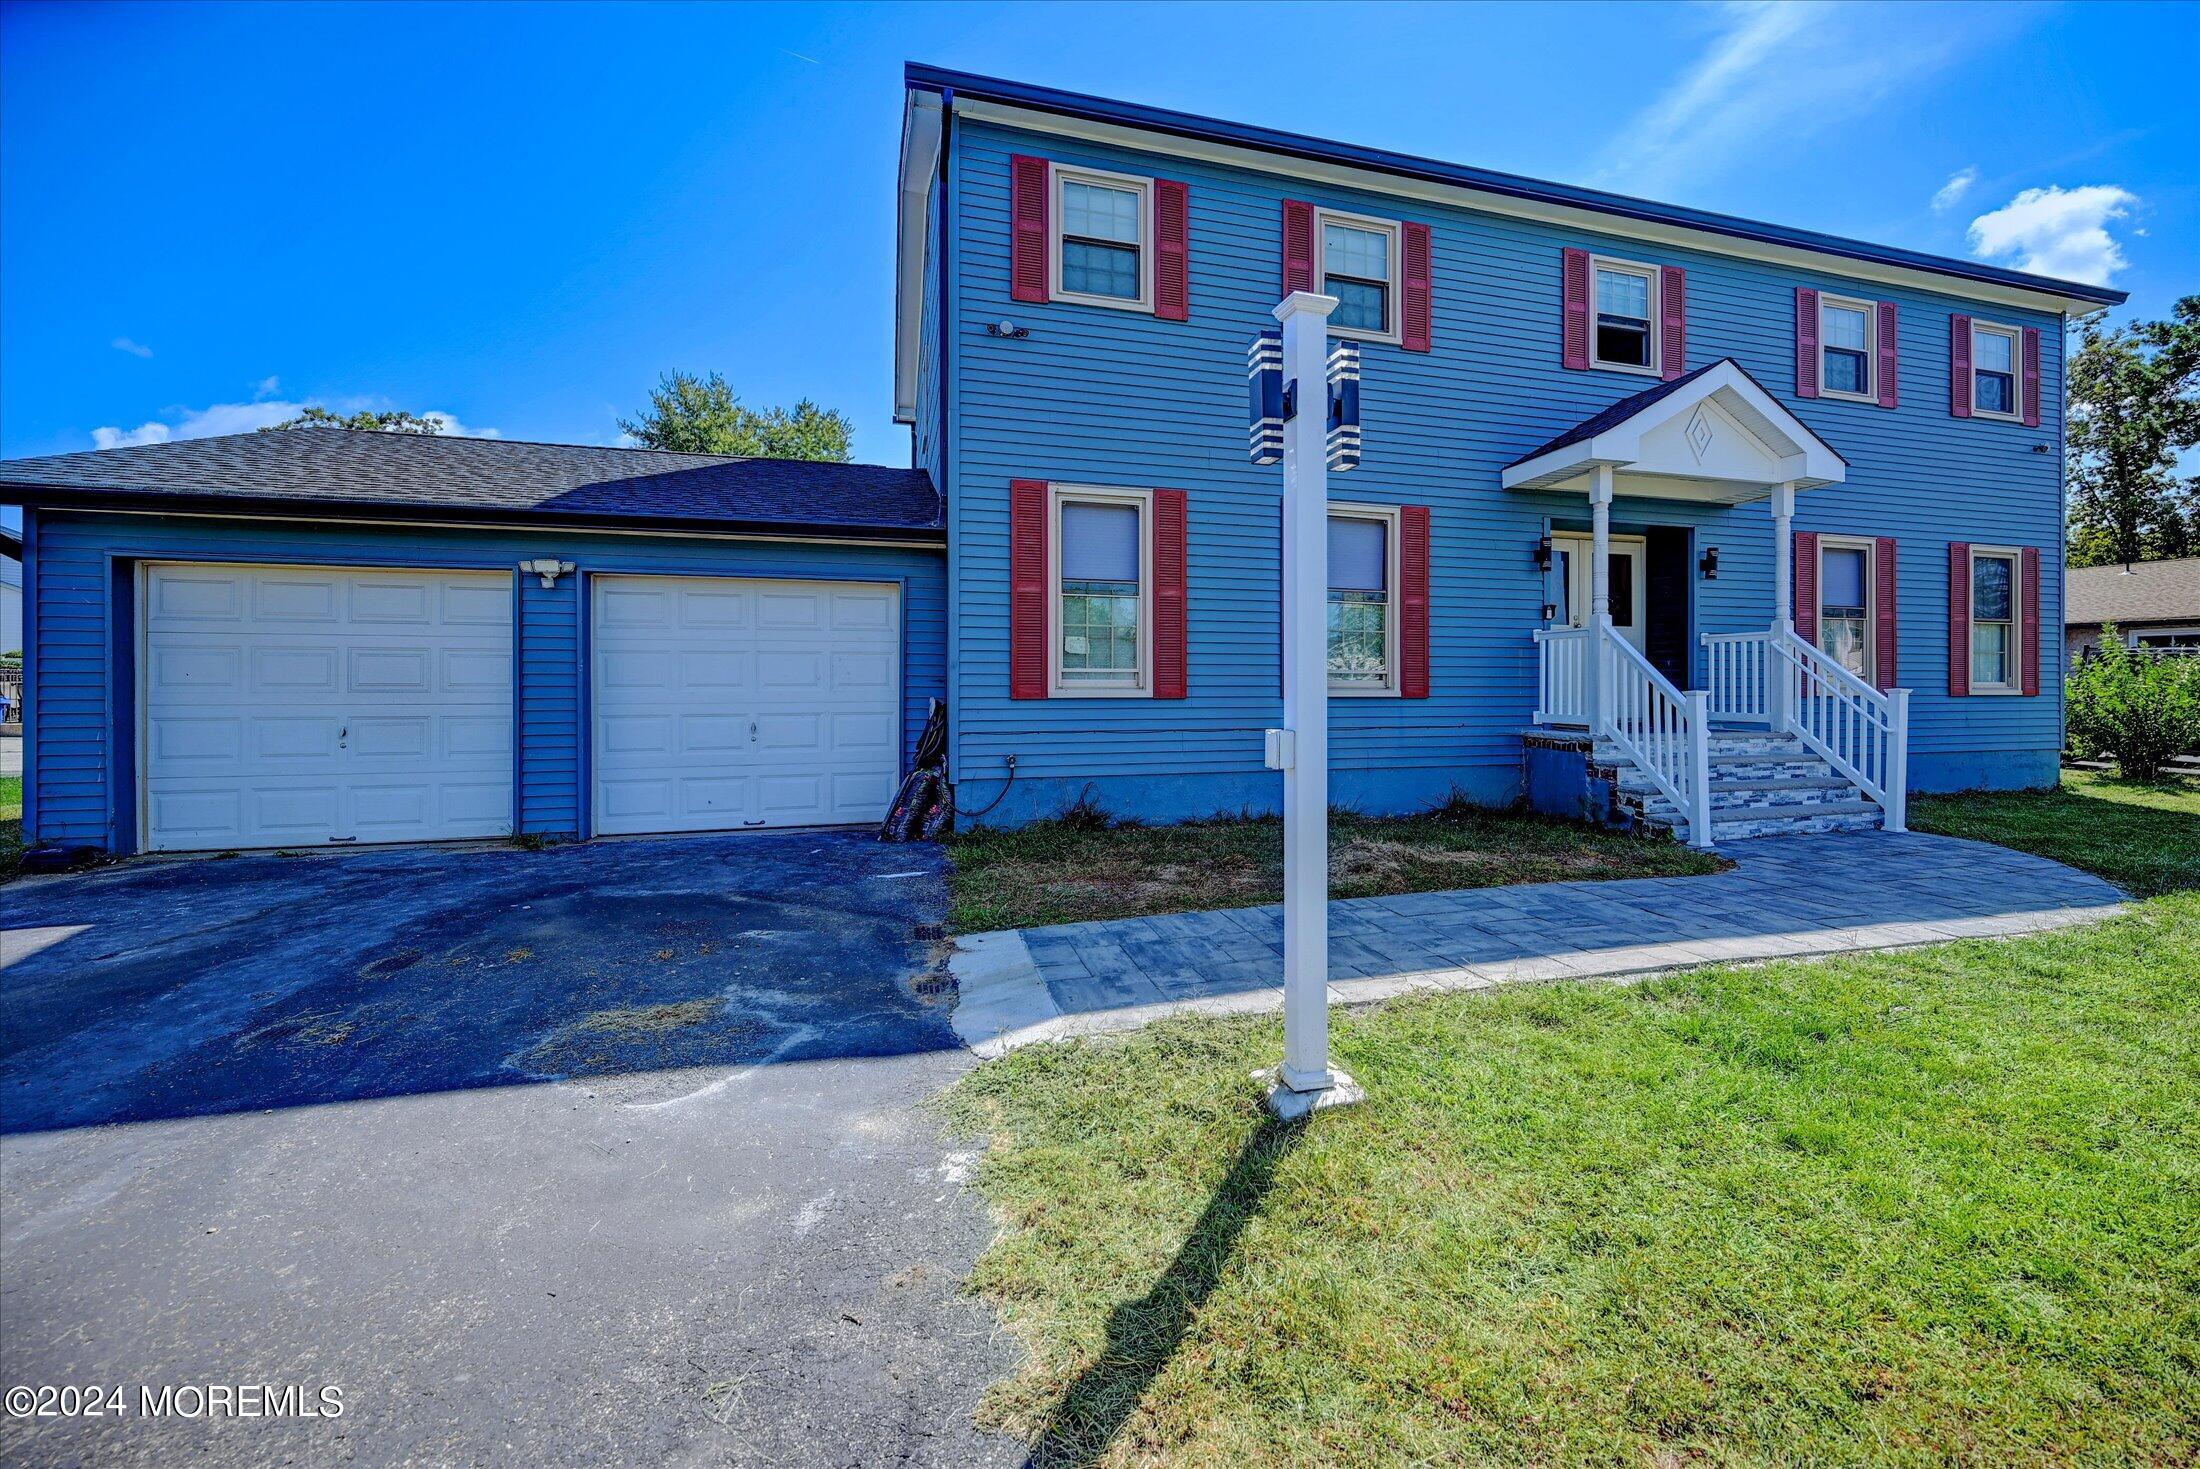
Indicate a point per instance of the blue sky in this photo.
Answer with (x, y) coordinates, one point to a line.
(518, 216)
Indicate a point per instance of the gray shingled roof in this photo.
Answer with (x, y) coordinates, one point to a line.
(346, 472)
(2149, 591)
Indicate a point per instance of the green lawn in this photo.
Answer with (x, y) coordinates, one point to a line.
(11, 825)
(1931, 1207)
(1064, 872)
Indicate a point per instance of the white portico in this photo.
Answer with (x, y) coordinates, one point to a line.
(1712, 436)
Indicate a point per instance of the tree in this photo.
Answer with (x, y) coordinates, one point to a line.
(2134, 405)
(366, 420)
(700, 415)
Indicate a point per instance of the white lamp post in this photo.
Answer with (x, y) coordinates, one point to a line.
(1306, 1081)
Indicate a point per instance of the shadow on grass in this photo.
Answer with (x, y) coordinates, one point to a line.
(1144, 1334)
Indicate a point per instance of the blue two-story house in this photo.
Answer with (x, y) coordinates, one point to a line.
(1741, 526)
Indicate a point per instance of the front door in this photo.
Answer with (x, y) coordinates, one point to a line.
(1625, 557)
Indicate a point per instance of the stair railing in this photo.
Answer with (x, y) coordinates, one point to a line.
(1562, 675)
(1666, 733)
(1737, 666)
(1862, 733)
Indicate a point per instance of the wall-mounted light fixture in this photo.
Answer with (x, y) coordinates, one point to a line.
(549, 569)
(1550, 611)
(1543, 554)
(1709, 565)
(1006, 328)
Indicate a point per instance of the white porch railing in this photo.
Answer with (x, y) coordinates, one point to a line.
(1734, 673)
(1862, 733)
(1562, 683)
(1665, 732)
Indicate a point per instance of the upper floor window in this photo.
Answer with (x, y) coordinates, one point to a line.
(1845, 603)
(1362, 621)
(1356, 261)
(1103, 222)
(1994, 356)
(1847, 349)
(1626, 298)
(1103, 542)
(1994, 615)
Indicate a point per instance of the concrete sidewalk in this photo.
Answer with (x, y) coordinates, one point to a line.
(1787, 897)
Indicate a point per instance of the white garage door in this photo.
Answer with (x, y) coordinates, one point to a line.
(292, 706)
(723, 703)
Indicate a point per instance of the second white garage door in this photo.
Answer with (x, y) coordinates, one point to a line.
(723, 703)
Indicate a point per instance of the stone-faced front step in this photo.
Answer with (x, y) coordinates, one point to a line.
(1741, 824)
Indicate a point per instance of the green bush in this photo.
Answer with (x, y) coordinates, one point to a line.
(2137, 708)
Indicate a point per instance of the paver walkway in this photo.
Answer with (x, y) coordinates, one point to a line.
(1786, 897)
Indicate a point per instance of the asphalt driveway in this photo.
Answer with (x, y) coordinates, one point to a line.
(602, 1154)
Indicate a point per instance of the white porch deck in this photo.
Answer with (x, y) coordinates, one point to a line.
(1696, 760)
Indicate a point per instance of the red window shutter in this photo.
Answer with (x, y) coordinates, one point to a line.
(2031, 383)
(1298, 246)
(1673, 321)
(1027, 589)
(1806, 342)
(1959, 618)
(1419, 296)
(2030, 617)
(1413, 569)
(1886, 355)
(1027, 208)
(1172, 249)
(1884, 633)
(1959, 366)
(1575, 276)
(1806, 585)
(1171, 574)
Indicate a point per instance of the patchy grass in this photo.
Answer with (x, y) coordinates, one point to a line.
(2143, 837)
(11, 825)
(1927, 1207)
(1070, 870)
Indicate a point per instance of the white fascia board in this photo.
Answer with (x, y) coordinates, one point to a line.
(920, 163)
(1463, 197)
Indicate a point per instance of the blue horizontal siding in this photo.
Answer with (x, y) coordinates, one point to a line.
(1109, 397)
(79, 756)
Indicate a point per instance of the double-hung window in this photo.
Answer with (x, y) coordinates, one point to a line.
(1103, 223)
(1846, 349)
(1356, 261)
(1994, 386)
(1363, 624)
(1102, 553)
(1626, 299)
(1845, 605)
(1994, 614)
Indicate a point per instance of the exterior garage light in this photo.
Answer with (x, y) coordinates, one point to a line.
(549, 570)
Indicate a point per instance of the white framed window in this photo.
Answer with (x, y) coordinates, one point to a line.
(1100, 607)
(1848, 349)
(1623, 332)
(1997, 389)
(1356, 259)
(1363, 599)
(1996, 614)
(1847, 603)
(1102, 238)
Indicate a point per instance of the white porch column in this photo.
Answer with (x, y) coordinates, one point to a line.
(1305, 318)
(1600, 590)
(1779, 677)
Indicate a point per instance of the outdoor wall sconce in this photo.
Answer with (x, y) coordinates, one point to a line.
(1709, 566)
(549, 569)
(1543, 554)
(1550, 611)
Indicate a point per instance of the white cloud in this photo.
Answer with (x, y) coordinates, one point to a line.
(244, 418)
(1951, 193)
(135, 349)
(1774, 76)
(268, 388)
(2057, 231)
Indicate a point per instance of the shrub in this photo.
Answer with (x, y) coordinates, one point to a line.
(2138, 708)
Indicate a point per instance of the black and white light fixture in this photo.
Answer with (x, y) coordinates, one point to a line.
(1709, 565)
(1543, 554)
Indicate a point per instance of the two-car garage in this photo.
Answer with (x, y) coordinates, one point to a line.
(293, 706)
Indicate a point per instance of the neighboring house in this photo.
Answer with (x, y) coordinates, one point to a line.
(2154, 604)
(1569, 397)
(11, 592)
